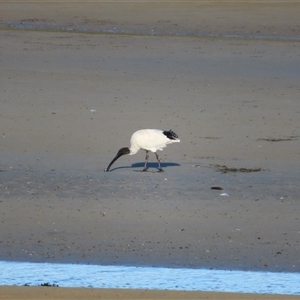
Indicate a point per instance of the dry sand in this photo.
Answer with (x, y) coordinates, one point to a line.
(85, 293)
(70, 100)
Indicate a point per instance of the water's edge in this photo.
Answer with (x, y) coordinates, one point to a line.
(95, 276)
(87, 30)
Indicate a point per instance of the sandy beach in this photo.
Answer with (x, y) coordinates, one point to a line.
(78, 79)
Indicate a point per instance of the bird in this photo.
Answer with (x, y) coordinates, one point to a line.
(148, 140)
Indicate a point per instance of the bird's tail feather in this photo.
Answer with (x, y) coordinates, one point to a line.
(170, 135)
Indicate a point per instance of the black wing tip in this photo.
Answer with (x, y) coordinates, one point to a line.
(170, 135)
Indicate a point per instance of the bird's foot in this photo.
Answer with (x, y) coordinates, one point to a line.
(160, 170)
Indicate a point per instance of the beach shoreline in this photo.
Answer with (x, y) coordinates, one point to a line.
(204, 18)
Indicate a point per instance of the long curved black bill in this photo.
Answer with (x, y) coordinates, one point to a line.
(120, 153)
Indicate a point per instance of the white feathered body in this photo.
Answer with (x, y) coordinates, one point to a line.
(150, 140)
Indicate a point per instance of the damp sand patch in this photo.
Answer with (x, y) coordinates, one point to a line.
(283, 139)
(225, 169)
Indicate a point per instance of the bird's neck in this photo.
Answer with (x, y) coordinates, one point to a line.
(133, 150)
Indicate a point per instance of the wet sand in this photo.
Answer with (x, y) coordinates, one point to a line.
(70, 100)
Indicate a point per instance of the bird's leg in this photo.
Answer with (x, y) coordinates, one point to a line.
(159, 166)
(146, 161)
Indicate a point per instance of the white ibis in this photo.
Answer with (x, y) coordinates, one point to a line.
(148, 140)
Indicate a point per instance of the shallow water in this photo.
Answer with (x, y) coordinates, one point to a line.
(94, 276)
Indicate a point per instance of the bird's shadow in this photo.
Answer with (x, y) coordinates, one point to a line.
(149, 166)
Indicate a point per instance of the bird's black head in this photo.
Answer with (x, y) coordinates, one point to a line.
(121, 152)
